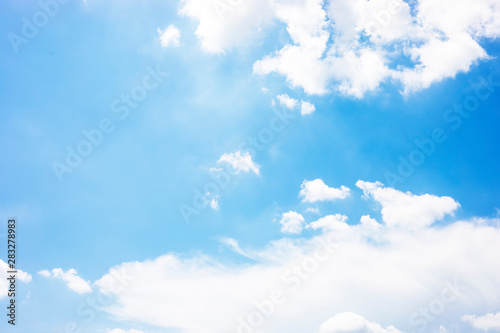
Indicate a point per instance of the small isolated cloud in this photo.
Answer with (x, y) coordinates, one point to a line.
(406, 209)
(287, 101)
(306, 108)
(118, 330)
(73, 281)
(291, 223)
(487, 322)
(330, 223)
(214, 203)
(240, 162)
(349, 322)
(4, 283)
(170, 36)
(317, 190)
(314, 210)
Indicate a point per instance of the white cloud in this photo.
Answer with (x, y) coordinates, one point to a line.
(406, 209)
(439, 59)
(214, 203)
(405, 273)
(233, 245)
(73, 281)
(226, 24)
(487, 322)
(291, 222)
(286, 101)
(344, 268)
(4, 283)
(335, 222)
(212, 198)
(45, 273)
(314, 210)
(300, 67)
(357, 71)
(317, 190)
(241, 162)
(306, 108)
(170, 36)
(349, 322)
(369, 224)
(118, 330)
(353, 46)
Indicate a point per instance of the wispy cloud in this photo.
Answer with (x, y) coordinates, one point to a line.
(316, 190)
(70, 277)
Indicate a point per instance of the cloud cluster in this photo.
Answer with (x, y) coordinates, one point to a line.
(331, 282)
(353, 46)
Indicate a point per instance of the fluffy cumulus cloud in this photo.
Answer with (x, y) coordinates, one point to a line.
(486, 323)
(349, 322)
(306, 108)
(317, 190)
(287, 101)
(406, 209)
(291, 223)
(331, 281)
(226, 24)
(353, 46)
(170, 36)
(70, 277)
(240, 162)
(4, 283)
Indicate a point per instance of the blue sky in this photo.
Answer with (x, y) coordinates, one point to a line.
(220, 81)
